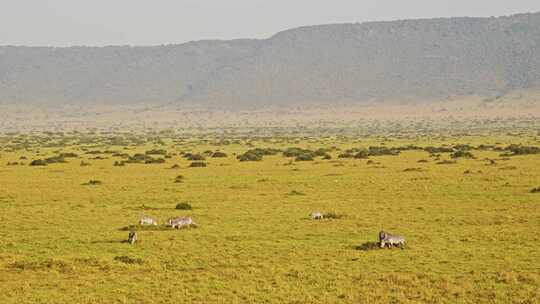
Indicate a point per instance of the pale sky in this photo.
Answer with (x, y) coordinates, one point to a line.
(155, 22)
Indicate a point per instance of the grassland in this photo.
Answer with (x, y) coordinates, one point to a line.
(472, 226)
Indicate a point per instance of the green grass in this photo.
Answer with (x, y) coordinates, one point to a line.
(471, 238)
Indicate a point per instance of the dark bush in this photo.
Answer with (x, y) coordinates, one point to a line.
(304, 157)
(462, 154)
(535, 190)
(127, 260)
(151, 160)
(93, 182)
(435, 150)
(446, 162)
(327, 157)
(38, 162)
(463, 147)
(249, 156)
(346, 155)
(295, 152)
(183, 206)
(218, 154)
(521, 150)
(362, 154)
(379, 151)
(68, 155)
(54, 160)
(156, 152)
(119, 163)
(334, 215)
(197, 164)
(84, 164)
(197, 157)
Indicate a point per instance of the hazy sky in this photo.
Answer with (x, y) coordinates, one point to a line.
(147, 22)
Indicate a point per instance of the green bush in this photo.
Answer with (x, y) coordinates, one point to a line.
(304, 157)
(249, 156)
(183, 206)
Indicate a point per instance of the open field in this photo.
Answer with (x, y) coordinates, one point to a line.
(471, 223)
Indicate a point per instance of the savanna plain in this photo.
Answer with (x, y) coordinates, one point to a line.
(468, 204)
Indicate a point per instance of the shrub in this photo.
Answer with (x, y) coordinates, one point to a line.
(151, 160)
(84, 164)
(218, 154)
(295, 152)
(535, 190)
(68, 155)
(197, 164)
(156, 152)
(119, 163)
(521, 150)
(249, 156)
(413, 170)
(195, 157)
(257, 154)
(179, 179)
(127, 260)
(362, 154)
(434, 150)
(346, 155)
(327, 157)
(446, 162)
(304, 157)
(462, 154)
(183, 206)
(294, 192)
(379, 151)
(92, 182)
(334, 215)
(38, 162)
(55, 159)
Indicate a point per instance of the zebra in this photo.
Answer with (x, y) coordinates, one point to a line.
(145, 220)
(392, 240)
(132, 237)
(180, 222)
(317, 215)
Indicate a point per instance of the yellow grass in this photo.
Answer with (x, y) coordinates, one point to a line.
(472, 238)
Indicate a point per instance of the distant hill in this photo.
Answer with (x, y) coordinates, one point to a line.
(326, 64)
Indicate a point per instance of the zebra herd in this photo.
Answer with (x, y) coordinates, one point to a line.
(174, 222)
(385, 239)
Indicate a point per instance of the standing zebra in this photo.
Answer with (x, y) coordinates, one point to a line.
(132, 237)
(180, 222)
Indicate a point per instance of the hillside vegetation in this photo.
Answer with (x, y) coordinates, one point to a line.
(326, 64)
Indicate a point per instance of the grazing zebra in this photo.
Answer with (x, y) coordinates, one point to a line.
(317, 216)
(392, 240)
(180, 222)
(132, 237)
(145, 220)
(382, 235)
